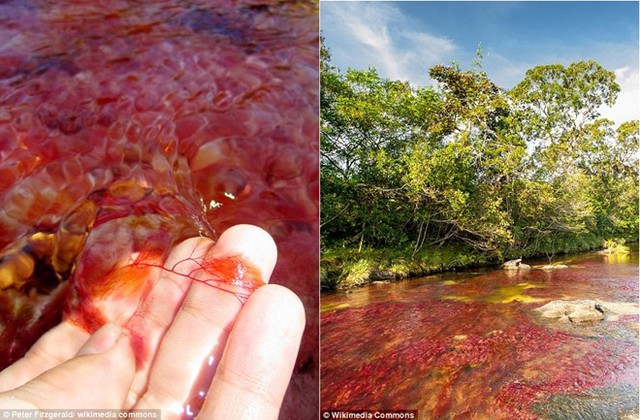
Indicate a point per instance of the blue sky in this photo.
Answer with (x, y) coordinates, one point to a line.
(403, 39)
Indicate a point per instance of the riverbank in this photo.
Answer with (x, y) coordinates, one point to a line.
(346, 268)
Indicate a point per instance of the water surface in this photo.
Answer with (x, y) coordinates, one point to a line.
(468, 345)
(127, 126)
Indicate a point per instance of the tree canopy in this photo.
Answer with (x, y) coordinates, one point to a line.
(466, 161)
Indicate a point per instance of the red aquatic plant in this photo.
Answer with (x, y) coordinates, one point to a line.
(450, 350)
(127, 127)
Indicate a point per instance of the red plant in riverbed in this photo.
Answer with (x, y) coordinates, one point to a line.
(457, 359)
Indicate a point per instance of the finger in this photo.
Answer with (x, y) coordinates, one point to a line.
(77, 383)
(259, 358)
(63, 341)
(159, 308)
(102, 340)
(201, 328)
(45, 354)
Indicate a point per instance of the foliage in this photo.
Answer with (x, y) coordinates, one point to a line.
(554, 106)
(532, 170)
(356, 274)
(615, 246)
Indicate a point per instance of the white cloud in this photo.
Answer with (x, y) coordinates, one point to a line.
(627, 107)
(421, 51)
(379, 35)
(363, 34)
(371, 31)
(507, 73)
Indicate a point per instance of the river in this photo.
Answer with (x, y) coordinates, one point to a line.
(128, 126)
(469, 345)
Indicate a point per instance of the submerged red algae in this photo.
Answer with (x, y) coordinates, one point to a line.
(125, 128)
(403, 346)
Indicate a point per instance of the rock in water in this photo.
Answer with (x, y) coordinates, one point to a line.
(515, 265)
(512, 264)
(574, 311)
(378, 275)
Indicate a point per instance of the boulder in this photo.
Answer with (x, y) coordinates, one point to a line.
(614, 310)
(382, 275)
(585, 314)
(512, 264)
(574, 311)
(515, 265)
(555, 309)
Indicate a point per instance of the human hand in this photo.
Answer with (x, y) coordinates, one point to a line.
(252, 346)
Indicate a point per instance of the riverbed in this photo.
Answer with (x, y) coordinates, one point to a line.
(128, 126)
(470, 345)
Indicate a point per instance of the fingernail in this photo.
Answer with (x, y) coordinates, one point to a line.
(102, 340)
(254, 244)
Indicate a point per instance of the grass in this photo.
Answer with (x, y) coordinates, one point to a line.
(345, 268)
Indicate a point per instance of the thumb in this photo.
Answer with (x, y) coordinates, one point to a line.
(99, 377)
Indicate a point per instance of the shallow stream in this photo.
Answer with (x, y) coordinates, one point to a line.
(469, 345)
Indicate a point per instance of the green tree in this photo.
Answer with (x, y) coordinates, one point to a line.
(367, 124)
(553, 106)
(610, 159)
(464, 181)
(533, 170)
